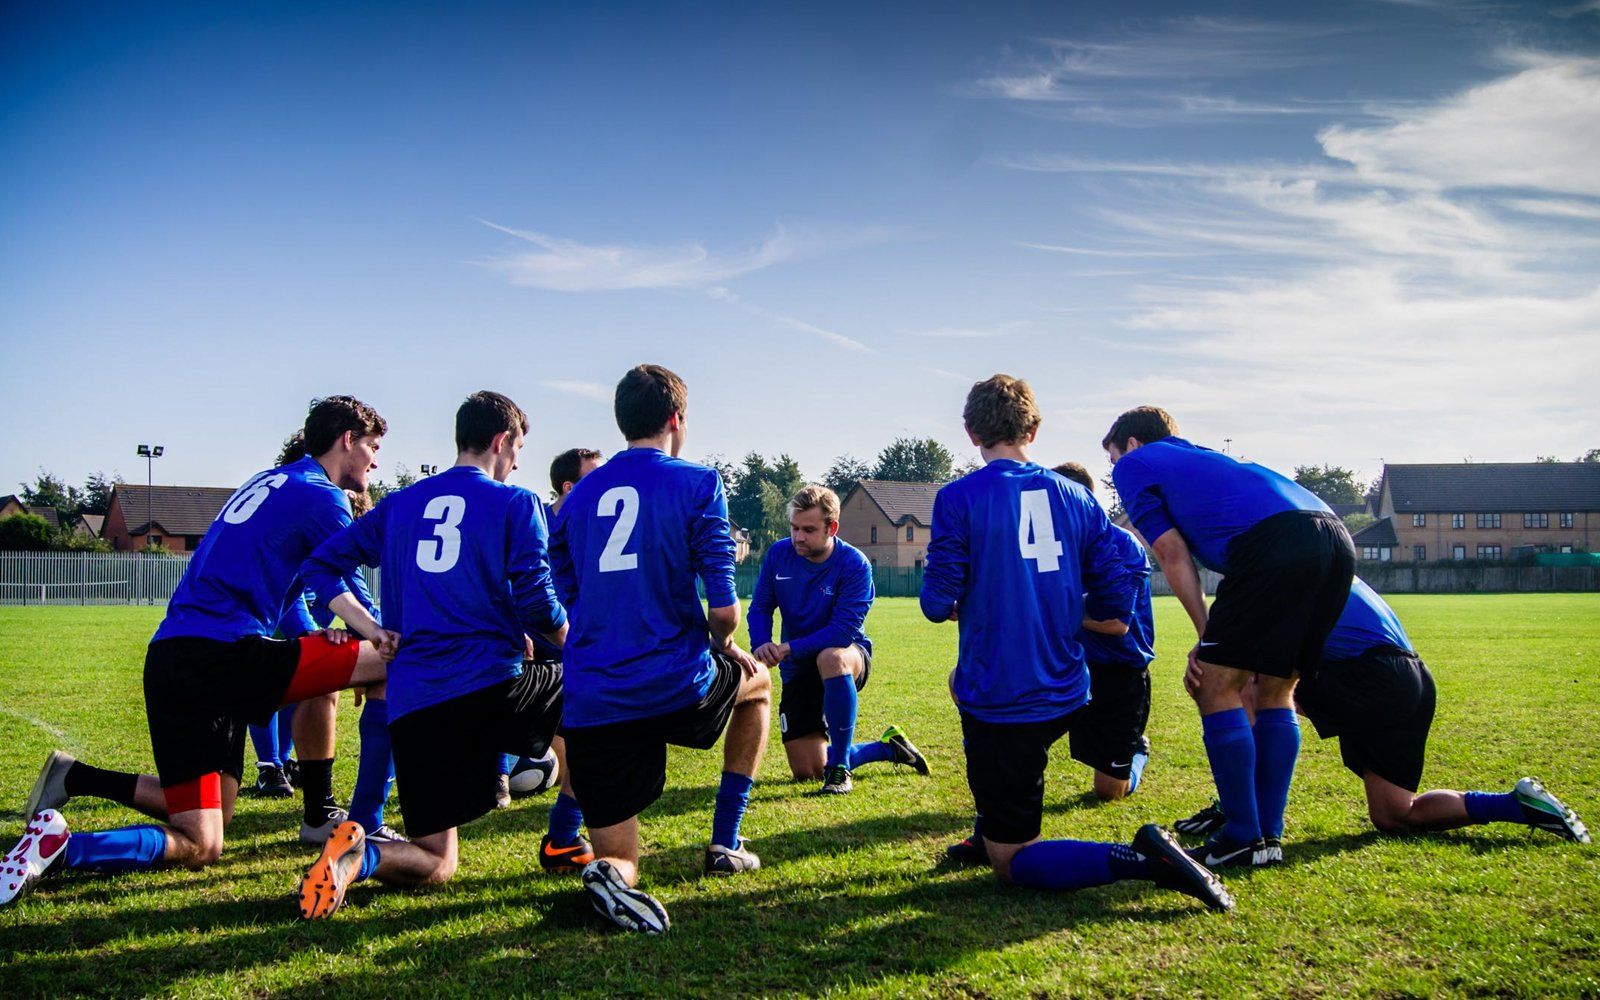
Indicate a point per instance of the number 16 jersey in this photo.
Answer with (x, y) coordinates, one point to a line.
(628, 545)
(1019, 551)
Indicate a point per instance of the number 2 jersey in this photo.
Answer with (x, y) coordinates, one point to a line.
(466, 573)
(631, 540)
(1020, 552)
(245, 573)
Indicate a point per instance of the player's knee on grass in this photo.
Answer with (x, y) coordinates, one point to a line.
(808, 757)
(1000, 856)
(1109, 789)
(1389, 805)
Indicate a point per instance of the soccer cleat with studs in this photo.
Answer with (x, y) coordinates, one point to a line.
(561, 859)
(319, 833)
(1543, 810)
(50, 787)
(967, 852)
(905, 752)
(731, 860)
(1218, 853)
(323, 887)
(629, 908)
(836, 780)
(39, 853)
(1174, 868)
(272, 783)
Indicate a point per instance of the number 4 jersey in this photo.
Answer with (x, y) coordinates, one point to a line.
(1019, 551)
(628, 545)
(466, 573)
(245, 571)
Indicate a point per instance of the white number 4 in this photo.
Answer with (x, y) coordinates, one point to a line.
(1036, 531)
(440, 553)
(622, 503)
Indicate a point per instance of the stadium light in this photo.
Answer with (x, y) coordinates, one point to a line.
(428, 470)
(149, 452)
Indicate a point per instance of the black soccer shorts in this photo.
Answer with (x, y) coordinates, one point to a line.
(800, 699)
(1379, 706)
(1111, 729)
(1006, 762)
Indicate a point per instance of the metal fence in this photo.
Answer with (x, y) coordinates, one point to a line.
(88, 577)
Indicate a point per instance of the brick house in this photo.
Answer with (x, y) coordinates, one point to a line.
(889, 522)
(1490, 510)
(173, 517)
(11, 504)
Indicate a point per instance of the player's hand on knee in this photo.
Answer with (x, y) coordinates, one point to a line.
(767, 653)
(1193, 673)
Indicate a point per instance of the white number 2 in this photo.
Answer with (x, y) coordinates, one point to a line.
(1036, 531)
(439, 554)
(250, 497)
(622, 503)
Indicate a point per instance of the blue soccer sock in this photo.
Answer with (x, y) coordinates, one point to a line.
(1065, 864)
(130, 849)
(1136, 770)
(1493, 807)
(1231, 749)
(839, 708)
(265, 740)
(733, 796)
(566, 819)
(375, 772)
(370, 856)
(869, 753)
(285, 733)
(1277, 736)
(977, 827)
(507, 763)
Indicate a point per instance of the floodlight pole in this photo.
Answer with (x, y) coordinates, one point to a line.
(148, 452)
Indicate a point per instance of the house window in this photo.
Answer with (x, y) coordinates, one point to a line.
(1488, 520)
(911, 532)
(1419, 553)
(1458, 552)
(1370, 553)
(874, 534)
(1536, 520)
(1566, 520)
(1566, 549)
(1488, 552)
(1458, 520)
(918, 564)
(1419, 520)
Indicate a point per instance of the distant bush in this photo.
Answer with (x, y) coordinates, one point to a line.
(24, 533)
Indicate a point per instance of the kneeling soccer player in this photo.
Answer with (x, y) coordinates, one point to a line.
(211, 668)
(641, 670)
(1374, 695)
(1015, 549)
(466, 576)
(822, 586)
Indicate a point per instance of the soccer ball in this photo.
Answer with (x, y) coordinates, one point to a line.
(533, 775)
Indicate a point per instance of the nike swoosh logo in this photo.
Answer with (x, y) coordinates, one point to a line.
(552, 851)
(1126, 763)
(786, 578)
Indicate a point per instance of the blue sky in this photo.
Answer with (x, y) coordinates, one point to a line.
(1342, 232)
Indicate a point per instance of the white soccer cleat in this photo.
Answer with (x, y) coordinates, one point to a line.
(629, 908)
(731, 860)
(43, 846)
(50, 788)
(1543, 810)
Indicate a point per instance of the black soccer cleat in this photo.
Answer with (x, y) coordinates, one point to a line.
(1204, 823)
(1220, 853)
(836, 780)
(1171, 867)
(905, 752)
(272, 783)
(969, 851)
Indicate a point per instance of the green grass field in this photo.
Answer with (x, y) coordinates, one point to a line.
(854, 898)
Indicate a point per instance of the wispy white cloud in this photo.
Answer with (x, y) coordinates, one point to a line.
(592, 391)
(1099, 252)
(1584, 7)
(569, 266)
(798, 325)
(1562, 208)
(988, 332)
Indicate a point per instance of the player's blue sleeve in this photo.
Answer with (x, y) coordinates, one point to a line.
(1141, 497)
(1111, 577)
(944, 574)
(297, 620)
(357, 582)
(711, 546)
(359, 544)
(849, 617)
(533, 590)
(561, 569)
(762, 602)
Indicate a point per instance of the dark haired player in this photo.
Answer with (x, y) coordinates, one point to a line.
(645, 664)
(466, 577)
(1373, 694)
(1287, 563)
(211, 667)
(1018, 556)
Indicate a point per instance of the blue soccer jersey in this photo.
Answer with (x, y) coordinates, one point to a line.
(544, 649)
(628, 545)
(466, 573)
(1210, 498)
(824, 605)
(1138, 647)
(1020, 552)
(306, 614)
(1367, 622)
(245, 573)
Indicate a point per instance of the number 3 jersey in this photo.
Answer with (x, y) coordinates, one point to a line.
(1019, 552)
(465, 574)
(631, 540)
(244, 574)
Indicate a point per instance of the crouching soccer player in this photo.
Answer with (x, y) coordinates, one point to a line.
(1015, 549)
(466, 575)
(1374, 695)
(211, 667)
(822, 586)
(1287, 563)
(641, 670)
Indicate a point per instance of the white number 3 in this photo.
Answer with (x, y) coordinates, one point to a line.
(1036, 531)
(622, 503)
(438, 554)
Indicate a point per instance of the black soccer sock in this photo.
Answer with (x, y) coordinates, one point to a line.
(86, 779)
(316, 784)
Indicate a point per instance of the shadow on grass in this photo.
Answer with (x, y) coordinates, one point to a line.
(757, 933)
